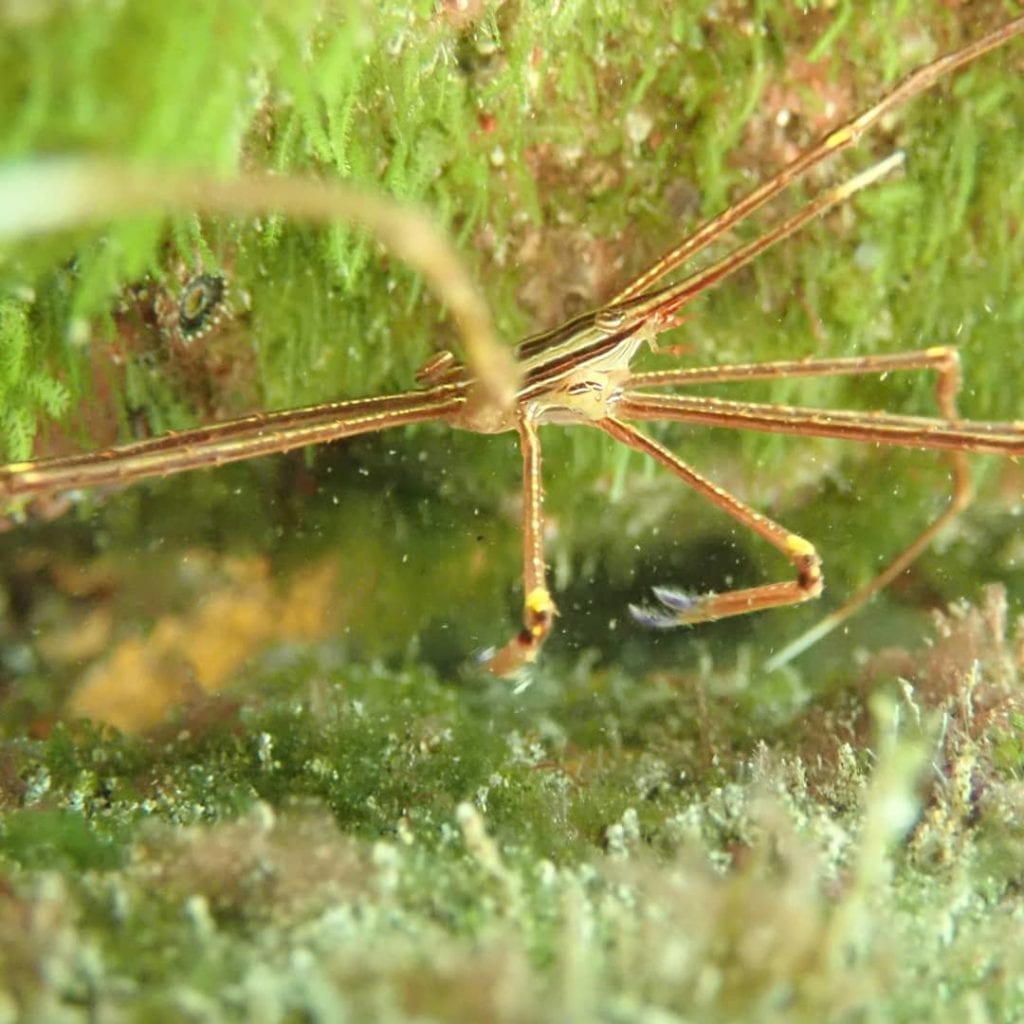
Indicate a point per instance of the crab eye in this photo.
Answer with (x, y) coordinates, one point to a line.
(610, 319)
(200, 303)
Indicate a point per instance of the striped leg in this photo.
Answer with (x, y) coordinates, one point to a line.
(865, 426)
(681, 609)
(538, 606)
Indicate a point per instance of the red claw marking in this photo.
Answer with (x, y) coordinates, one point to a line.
(538, 616)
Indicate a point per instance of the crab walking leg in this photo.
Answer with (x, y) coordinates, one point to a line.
(838, 139)
(925, 432)
(954, 436)
(682, 609)
(661, 305)
(538, 606)
(945, 362)
(215, 445)
(959, 499)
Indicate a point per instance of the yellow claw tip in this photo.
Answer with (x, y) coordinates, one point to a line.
(799, 547)
(538, 602)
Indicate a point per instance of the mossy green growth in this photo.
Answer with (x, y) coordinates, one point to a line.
(27, 389)
(385, 845)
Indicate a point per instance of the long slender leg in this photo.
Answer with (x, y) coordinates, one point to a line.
(941, 358)
(261, 434)
(947, 389)
(946, 363)
(959, 499)
(660, 306)
(838, 139)
(685, 609)
(538, 606)
(925, 432)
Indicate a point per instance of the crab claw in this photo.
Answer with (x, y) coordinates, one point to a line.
(538, 615)
(678, 609)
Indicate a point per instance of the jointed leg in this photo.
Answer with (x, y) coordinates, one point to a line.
(230, 441)
(838, 139)
(943, 360)
(538, 607)
(947, 388)
(684, 609)
(959, 499)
